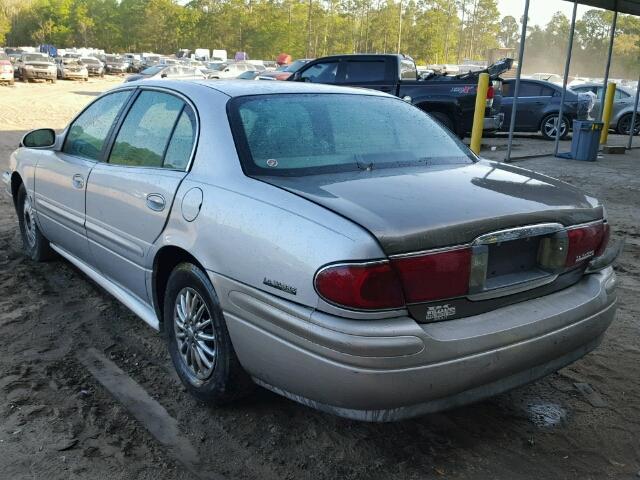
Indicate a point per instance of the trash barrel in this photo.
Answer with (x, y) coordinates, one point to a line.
(586, 140)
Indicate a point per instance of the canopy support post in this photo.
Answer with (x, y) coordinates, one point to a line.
(523, 37)
(565, 78)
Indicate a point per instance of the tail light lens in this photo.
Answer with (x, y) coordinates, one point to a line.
(442, 274)
(490, 95)
(434, 275)
(368, 286)
(586, 242)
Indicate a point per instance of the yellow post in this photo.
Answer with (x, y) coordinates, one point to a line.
(478, 115)
(606, 113)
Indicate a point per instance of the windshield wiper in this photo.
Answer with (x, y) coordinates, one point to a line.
(362, 165)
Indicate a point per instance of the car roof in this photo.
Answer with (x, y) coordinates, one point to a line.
(241, 88)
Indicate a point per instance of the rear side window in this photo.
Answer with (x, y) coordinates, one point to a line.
(527, 89)
(145, 132)
(365, 71)
(88, 133)
(408, 70)
(181, 144)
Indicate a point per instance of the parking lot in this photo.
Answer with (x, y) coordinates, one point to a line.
(59, 422)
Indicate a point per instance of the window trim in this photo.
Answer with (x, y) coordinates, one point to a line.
(107, 139)
(118, 126)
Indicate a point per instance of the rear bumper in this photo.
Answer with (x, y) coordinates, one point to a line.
(385, 370)
(493, 123)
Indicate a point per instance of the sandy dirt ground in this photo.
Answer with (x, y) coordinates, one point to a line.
(58, 422)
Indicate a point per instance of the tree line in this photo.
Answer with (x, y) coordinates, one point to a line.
(431, 31)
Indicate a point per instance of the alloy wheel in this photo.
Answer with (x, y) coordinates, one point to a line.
(194, 333)
(550, 127)
(29, 222)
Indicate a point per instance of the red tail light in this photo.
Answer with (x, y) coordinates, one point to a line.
(362, 286)
(434, 275)
(490, 95)
(586, 242)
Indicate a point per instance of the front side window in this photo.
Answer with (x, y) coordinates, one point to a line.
(145, 132)
(324, 72)
(88, 133)
(327, 133)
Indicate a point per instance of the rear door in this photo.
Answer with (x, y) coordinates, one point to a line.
(373, 72)
(532, 99)
(130, 196)
(61, 176)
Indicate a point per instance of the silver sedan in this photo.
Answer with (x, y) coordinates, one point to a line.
(334, 245)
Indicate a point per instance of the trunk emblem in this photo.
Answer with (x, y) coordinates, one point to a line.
(440, 312)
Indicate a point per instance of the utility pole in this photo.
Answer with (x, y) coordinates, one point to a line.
(464, 9)
(400, 26)
(309, 31)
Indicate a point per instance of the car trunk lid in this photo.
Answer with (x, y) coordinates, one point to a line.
(414, 209)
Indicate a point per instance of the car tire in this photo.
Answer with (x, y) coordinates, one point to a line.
(36, 246)
(548, 126)
(212, 374)
(624, 124)
(444, 119)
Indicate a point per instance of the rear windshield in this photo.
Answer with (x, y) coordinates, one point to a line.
(307, 134)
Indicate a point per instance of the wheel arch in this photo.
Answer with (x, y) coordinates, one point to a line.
(166, 259)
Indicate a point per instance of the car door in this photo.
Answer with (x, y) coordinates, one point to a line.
(129, 197)
(531, 103)
(61, 176)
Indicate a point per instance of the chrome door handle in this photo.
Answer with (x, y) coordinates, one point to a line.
(78, 181)
(155, 202)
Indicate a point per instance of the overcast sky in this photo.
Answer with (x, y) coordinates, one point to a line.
(540, 11)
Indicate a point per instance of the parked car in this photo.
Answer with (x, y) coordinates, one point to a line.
(539, 107)
(337, 246)
(95, 67)
(115, 64)
(72, 67)
(285, 71)
(250, 75)
(623, 104)
(449, 99)
(35, 66)
(231, 70)
(173, 72)
(6, 69)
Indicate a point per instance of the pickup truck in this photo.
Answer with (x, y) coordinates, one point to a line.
(449, 99)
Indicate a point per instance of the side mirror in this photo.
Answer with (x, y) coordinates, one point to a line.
(295, 77)
(41, 138)
(163, 75)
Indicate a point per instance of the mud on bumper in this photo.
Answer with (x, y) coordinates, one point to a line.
(385, 370)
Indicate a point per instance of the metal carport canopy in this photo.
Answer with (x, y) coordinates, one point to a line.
(622, 6)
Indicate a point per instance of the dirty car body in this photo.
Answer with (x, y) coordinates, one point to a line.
(358, 267)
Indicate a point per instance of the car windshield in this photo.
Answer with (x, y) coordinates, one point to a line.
(247, 75)
(90, 60)
(307, 134)
(216, 66)
(153, 70)
(114, 60)
(36, 58)
(70, 61)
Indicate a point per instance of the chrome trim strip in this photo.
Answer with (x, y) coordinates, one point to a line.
(517, 233)
(113, 237)
(54, 211)
(132, 302)
(431, 251)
